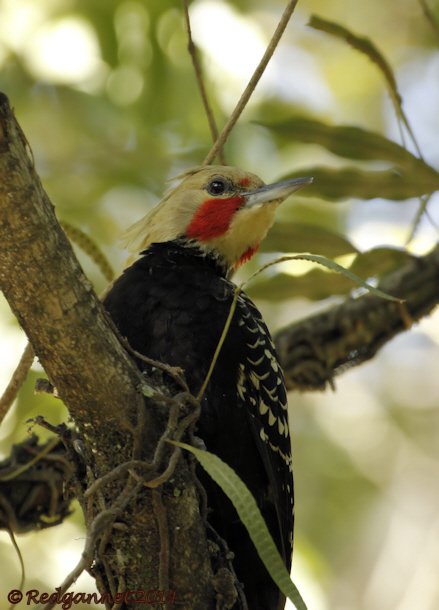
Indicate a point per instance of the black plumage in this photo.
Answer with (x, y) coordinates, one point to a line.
(172, 305)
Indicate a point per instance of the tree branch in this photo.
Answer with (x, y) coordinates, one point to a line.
(313, 350)
(17, 380)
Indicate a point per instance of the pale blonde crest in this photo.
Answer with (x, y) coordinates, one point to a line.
(171, 216)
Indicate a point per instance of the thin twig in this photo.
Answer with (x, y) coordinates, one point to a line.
(100, 584)
(101, 555)
(20, 559)
(174, 372)
(193, 52)
(189, 421)
(100, 523)
(420, 212)
(17, 380)
(174, 429)
(168, 433)
(122, 583)
(252, 83)
(114, 474)
(109, 576)
(84, 563)
(18, 471)
(120, 589)
(124, 497)
(167, 473)
(220, 344)
(162, 523)
(141, 426)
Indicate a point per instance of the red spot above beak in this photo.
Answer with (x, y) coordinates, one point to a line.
(244, 181)
(213, 218)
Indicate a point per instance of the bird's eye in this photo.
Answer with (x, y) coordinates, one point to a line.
(217, 186)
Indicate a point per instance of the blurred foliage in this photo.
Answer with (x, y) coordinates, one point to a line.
(318, 284)
(300, 237)
(106, 142)
(409, 176)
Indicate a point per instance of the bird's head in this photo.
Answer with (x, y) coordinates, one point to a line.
(222, 209)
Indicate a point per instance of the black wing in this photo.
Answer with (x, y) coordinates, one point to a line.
(261, 385)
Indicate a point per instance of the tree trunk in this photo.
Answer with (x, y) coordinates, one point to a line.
(138, 538)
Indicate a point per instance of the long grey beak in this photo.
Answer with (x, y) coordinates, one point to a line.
(276, 192)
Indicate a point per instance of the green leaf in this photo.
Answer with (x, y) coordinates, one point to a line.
(368, 48)
(346, 141)
(353, 182)
(333, 266)
(295, 236)
(316, 284)
(379, 261)
(251, 517)
(360, 43)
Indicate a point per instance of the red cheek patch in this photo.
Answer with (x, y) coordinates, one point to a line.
(213, 218)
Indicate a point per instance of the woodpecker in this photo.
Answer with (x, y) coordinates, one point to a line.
(172, 305)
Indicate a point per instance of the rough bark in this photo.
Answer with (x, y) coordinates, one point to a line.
(83, 358)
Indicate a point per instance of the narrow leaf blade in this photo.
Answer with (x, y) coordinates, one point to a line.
(249, 513)
(346, 182)
(347, 141)
(317, 284)
(333, 266)
(367, 47)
